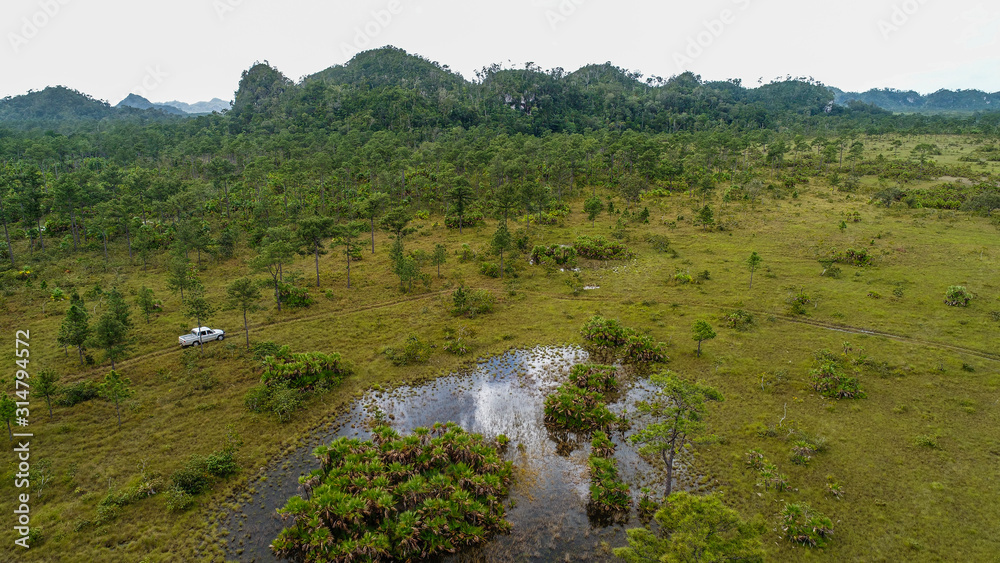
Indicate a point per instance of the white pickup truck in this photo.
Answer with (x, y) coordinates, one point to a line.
(201, 334)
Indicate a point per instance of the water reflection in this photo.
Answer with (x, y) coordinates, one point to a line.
(502, 395)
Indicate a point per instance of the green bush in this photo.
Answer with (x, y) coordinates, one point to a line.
(556, 254)
(278, 399)
(600, 248)
(418, 497)
(957, 296)
(573, 408)
(178, 500)
(469, 219)
(472, 303)
(489, 269)
(305, 370)
(607, 491)
(830, 381)
(739, 319)
(414, 351)
(294, 297)
(261, 350)
(854, 257)
(601, 445)
(77, 393)
(608, 338)
(594, 377)
(803, 525)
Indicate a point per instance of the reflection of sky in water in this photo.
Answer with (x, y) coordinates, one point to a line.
(502, 395)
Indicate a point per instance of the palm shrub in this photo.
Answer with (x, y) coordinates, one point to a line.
(600, 248)
(472, 302)
(601, 445)
(607, 338)
(803, 525)
(595, 377)
(432, 493)
(608, 493)
(573, 408)
(830, 381)
(305, 370)
(555, 254)
(957, 296)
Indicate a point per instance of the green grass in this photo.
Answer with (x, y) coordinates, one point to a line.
(902, 499)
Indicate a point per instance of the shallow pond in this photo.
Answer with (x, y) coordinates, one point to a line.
(502, 395)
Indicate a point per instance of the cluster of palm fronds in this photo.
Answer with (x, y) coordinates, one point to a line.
(396, 497)
(608, 493)
(304, 370)
(607, 338)
(595, 377)
(573, 408)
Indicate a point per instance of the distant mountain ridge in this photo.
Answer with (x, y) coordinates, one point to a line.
(909, 101)
(215, 104)
(138, 102)
(419, 91)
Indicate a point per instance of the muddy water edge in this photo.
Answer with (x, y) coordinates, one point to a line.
(501, 395)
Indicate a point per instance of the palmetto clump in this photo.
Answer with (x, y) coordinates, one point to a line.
(433, 492)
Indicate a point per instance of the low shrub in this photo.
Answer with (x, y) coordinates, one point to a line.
(413, 351)
(854, 257)
(601, 445)
(573, 408)
(608, 493)
(472, 302)
(278, 399)
(397, 498)
(556, 254)
(595, 377)
(600, 248)
(77, 393)
(470, 219)
(305, 370)
(739, 319)
(830, 381)
(294, 297)
(957, 296)
(608, 338)
(803, 525)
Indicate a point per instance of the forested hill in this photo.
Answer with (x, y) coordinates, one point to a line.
(388, 88)
(60, 108)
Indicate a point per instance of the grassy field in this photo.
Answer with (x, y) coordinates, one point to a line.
(917, 459)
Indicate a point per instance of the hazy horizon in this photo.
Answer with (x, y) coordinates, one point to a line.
(195, 50)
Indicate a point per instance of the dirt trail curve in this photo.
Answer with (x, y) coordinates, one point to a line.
(798, 320)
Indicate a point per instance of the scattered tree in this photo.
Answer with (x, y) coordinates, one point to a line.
(700, 332)
(113, 332)
(75, 329)
(439, 257)
(677, 409)
(47, 385)
(147, 302)
(593, 207)
(116, 389)
(244, 295)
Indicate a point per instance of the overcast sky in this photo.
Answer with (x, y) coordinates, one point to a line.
(191, 50)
